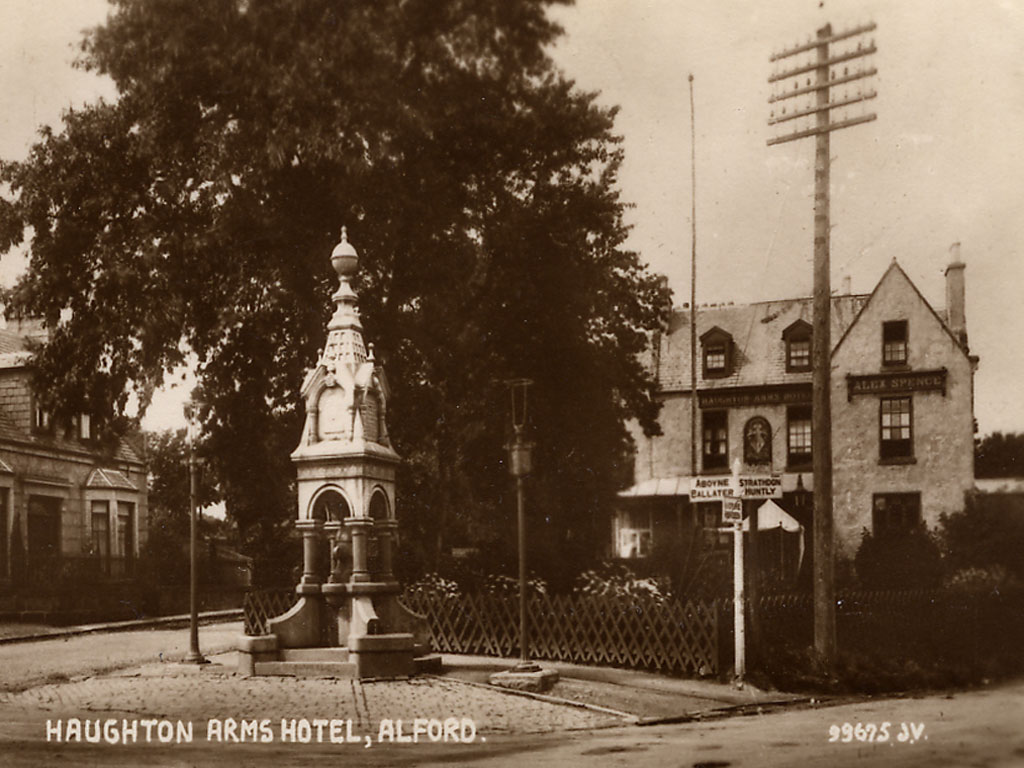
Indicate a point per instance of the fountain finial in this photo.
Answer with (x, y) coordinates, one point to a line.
(344, 258)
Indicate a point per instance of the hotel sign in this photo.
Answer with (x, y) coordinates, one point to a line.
(737, 397)
(896, 383)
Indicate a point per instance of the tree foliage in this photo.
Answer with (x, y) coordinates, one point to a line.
(195, 214)
(988, 532)
(999, 455)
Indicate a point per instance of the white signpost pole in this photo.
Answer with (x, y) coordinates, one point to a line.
(737, 582)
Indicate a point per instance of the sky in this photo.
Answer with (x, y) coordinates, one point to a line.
(941, 164)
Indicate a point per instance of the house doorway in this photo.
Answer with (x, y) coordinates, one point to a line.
(43, 530)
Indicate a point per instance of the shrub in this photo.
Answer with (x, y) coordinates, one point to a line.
(616, 580)
(905, 560)
(994, 579)
(435, 585)
(989, 532)
(500, 584)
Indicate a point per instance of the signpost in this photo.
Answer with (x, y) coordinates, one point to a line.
(731, 490)
(732, 510)
(736, 518)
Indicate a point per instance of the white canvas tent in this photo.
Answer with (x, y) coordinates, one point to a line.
(771, 516)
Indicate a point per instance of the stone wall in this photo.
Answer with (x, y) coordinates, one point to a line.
(942, 466)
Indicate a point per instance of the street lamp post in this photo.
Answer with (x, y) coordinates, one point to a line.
(194, 656)
(520, 465)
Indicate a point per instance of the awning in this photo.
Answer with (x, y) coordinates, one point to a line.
(679, 485)
(659, 486)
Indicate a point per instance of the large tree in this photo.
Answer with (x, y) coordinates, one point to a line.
(194, 215)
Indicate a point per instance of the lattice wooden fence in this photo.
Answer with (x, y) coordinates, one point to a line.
(261, 605)
(670, 637)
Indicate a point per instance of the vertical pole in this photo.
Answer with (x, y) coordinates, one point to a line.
(824, 587)
(693, 287)
(521, 516)
(737, 587)
(738, 600)
(753, 574)
(194, 656)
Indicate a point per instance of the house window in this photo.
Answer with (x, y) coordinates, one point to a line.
(895, 513)
(798, 346)
(3, 534)
(126, 530)
(894, 342)
(40, 418)
(798, 435)
(896, 434)
(101, 531)
(716, 439)
(636, 534)
(84, 426)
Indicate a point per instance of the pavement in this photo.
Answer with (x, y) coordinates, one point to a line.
(51, 680)
(127, 698)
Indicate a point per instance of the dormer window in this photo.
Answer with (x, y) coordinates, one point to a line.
(717, 353)
(41, 421)
(84, 426)
(798, 346)
(894, 342)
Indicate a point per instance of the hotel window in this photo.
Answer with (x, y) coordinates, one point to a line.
(714, 533)
(636, 534)
(798, 346)
(896, 438)
(798, 435)
(716, 439)
(895, 513)
(894, 342)
(717, 353)
(714, 357)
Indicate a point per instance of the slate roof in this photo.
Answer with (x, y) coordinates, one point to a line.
(11, 341)
(14, 353)
(759, 353)
(123, 452)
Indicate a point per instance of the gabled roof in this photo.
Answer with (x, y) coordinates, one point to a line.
(109, 478)
(895, 268)
(756, 330)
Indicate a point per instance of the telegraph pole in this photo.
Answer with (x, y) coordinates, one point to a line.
(827, 69)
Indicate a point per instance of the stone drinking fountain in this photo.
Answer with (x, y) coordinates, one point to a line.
(347, 622)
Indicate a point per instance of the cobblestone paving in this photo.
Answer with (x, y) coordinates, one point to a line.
(174, 691)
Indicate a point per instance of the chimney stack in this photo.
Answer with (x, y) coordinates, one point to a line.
(847, 285)
(955, 317)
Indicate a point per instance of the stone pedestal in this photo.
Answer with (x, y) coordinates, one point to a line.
(529, 677)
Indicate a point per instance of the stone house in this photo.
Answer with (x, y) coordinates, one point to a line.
(902, 417)
(69, 508)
